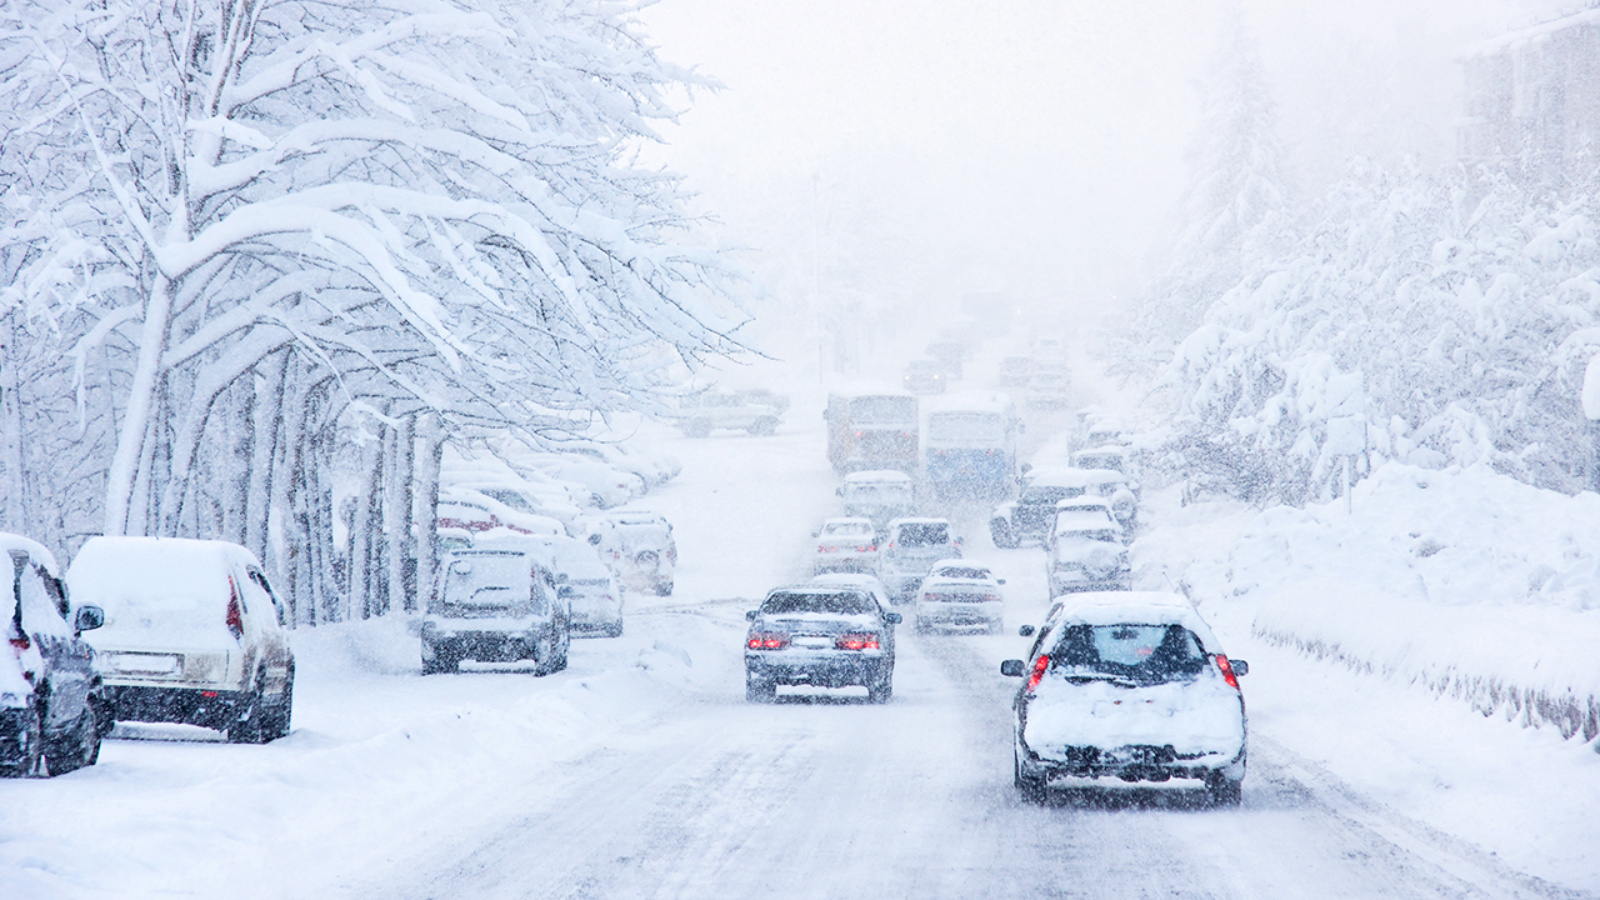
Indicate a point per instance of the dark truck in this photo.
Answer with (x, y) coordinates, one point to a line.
(872, 428)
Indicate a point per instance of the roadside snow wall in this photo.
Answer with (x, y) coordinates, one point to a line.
(1462, 580)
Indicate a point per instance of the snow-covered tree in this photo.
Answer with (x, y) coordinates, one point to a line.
(262, 217)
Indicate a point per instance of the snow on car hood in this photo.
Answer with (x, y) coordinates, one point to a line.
(1199, 716)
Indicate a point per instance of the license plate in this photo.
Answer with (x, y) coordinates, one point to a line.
(146, 663)
(814, 643)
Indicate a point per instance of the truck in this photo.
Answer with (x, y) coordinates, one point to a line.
(969, 446)
(871, 427)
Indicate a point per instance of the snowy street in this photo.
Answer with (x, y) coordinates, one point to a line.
(642, 772)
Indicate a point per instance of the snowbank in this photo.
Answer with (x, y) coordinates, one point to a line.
(1462, 580)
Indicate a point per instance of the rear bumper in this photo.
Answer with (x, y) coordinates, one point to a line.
(485, 646)
(1135, 764)
(831, 671)
(188, 706)
(982, 613)
(1074, 580)
(863, 565)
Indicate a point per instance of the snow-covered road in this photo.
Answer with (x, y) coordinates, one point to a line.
(641, 771)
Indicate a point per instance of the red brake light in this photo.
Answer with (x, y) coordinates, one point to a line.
(1227, 671)
(856, 642)
(21, 643)
(767, 640)
(1039, 667)
(235, 612)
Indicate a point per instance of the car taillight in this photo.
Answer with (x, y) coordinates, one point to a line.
(856, 642)
(1227, 671)
(767, 640)
(991, 598)
(235, 612)
(21, 643)
(823, 548)
(867, 549)
(1039, 667)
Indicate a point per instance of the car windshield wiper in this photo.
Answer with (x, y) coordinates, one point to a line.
(1118, 680)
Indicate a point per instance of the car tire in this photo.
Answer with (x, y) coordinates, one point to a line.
(28, 763)
(614, 629)
(759, 690)
(1224, 791)
(77, 748)
(698, 428)
(882, 689)
(275, 721)
(246, 727)
(664, 589)
(1031, 786)
(764, 427)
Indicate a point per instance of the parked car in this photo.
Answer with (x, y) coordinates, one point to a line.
(1108, 457)
(1031, 516)
(1128, 688)
(1087, 553)
(193, 634)
(638, 547)
(910, 548)
(879, 495)
(52, 703)
(755, 411)
(924, 376)
(1014, 370)
(497, 601)
(848, 544)
(1049, 388)
(475, 511)
(607, 486)
(821, 636)
(1098, 506)
(596, 596)
(654, 469)
(960, 593)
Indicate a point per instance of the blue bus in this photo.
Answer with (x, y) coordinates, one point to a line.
(969, 446)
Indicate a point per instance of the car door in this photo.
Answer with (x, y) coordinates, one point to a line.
(270, 619)
(68, 662)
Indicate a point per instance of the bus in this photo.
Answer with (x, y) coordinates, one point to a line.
(872, 428)
(969, 446)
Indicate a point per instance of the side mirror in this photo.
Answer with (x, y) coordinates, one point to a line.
(816, 534)
(893, 618)
(1240, 667)
(89, 618)
(1025, 631)
(999, 581)
(1013, 668)
(566, 592)
(751, 614)
(594, 539)
(838, 492)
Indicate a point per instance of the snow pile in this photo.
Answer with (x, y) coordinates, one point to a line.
(1462, 580)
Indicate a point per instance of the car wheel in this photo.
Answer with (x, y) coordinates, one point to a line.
(882, 689)
(614, 629)
(246, 728)
(275, 720)
(764, 427)
(664, 589)
(698, 428)
(1030, 785)
(30, 750)
(1224, 791)
(759, 690)
(77, 748)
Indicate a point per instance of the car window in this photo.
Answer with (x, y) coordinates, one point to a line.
(1143, 653)
(41, 614)
(258, 578)
(923, 534)
(842, 603)
(964, 572)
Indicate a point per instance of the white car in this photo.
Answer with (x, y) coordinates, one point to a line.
(193, 634)
(476, 512)
(1087, 553)
(1094, 506)
(846, 545)
(909, 549)
(638, 547)
(1128, 688)
(607, 485)
(960, 593)
(595, 596)
(1049, 388)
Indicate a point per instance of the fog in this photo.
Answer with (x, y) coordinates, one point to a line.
(888, 157)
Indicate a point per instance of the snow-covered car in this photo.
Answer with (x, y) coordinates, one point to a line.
(1087, 554)
(518, 496)
(595, 596)
(960, 593)
(497, 602)
(755, 411)
(924, 376)
(879, 495)
(474, 511)
(1014, 370)
(1108, 457)
(1031, 515)
(909, 549)
(638, 547)
(1048, 388)
(1098, 506)
(193, 634)
(52, 703)
(1128, 688)
(607, 486)
(846, 545)
(819, 636)
(653, 469)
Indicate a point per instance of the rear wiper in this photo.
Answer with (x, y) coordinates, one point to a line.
(1118, 680)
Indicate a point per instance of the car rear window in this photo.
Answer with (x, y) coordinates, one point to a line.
(489, 581)
(1143, 653)
(1049, 494)
(924, 534)
(843, 603)
(963, 572)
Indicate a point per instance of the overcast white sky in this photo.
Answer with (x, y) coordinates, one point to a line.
(911, 150)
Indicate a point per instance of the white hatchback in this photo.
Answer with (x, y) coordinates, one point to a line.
(960, 593)
(1128, 687)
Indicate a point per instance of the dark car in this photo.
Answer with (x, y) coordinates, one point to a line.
(1031, 516)
(498, 602)
(52, 704)
(821, 636)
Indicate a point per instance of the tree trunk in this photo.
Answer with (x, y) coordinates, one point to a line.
(267, 425)
(362, 525)
(16, 514)
(397, 505)
(427, 508)
(136, 427)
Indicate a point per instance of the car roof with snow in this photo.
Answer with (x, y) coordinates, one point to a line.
(960, 570)
(857, 523)
(1131, 608)
(36, 551)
